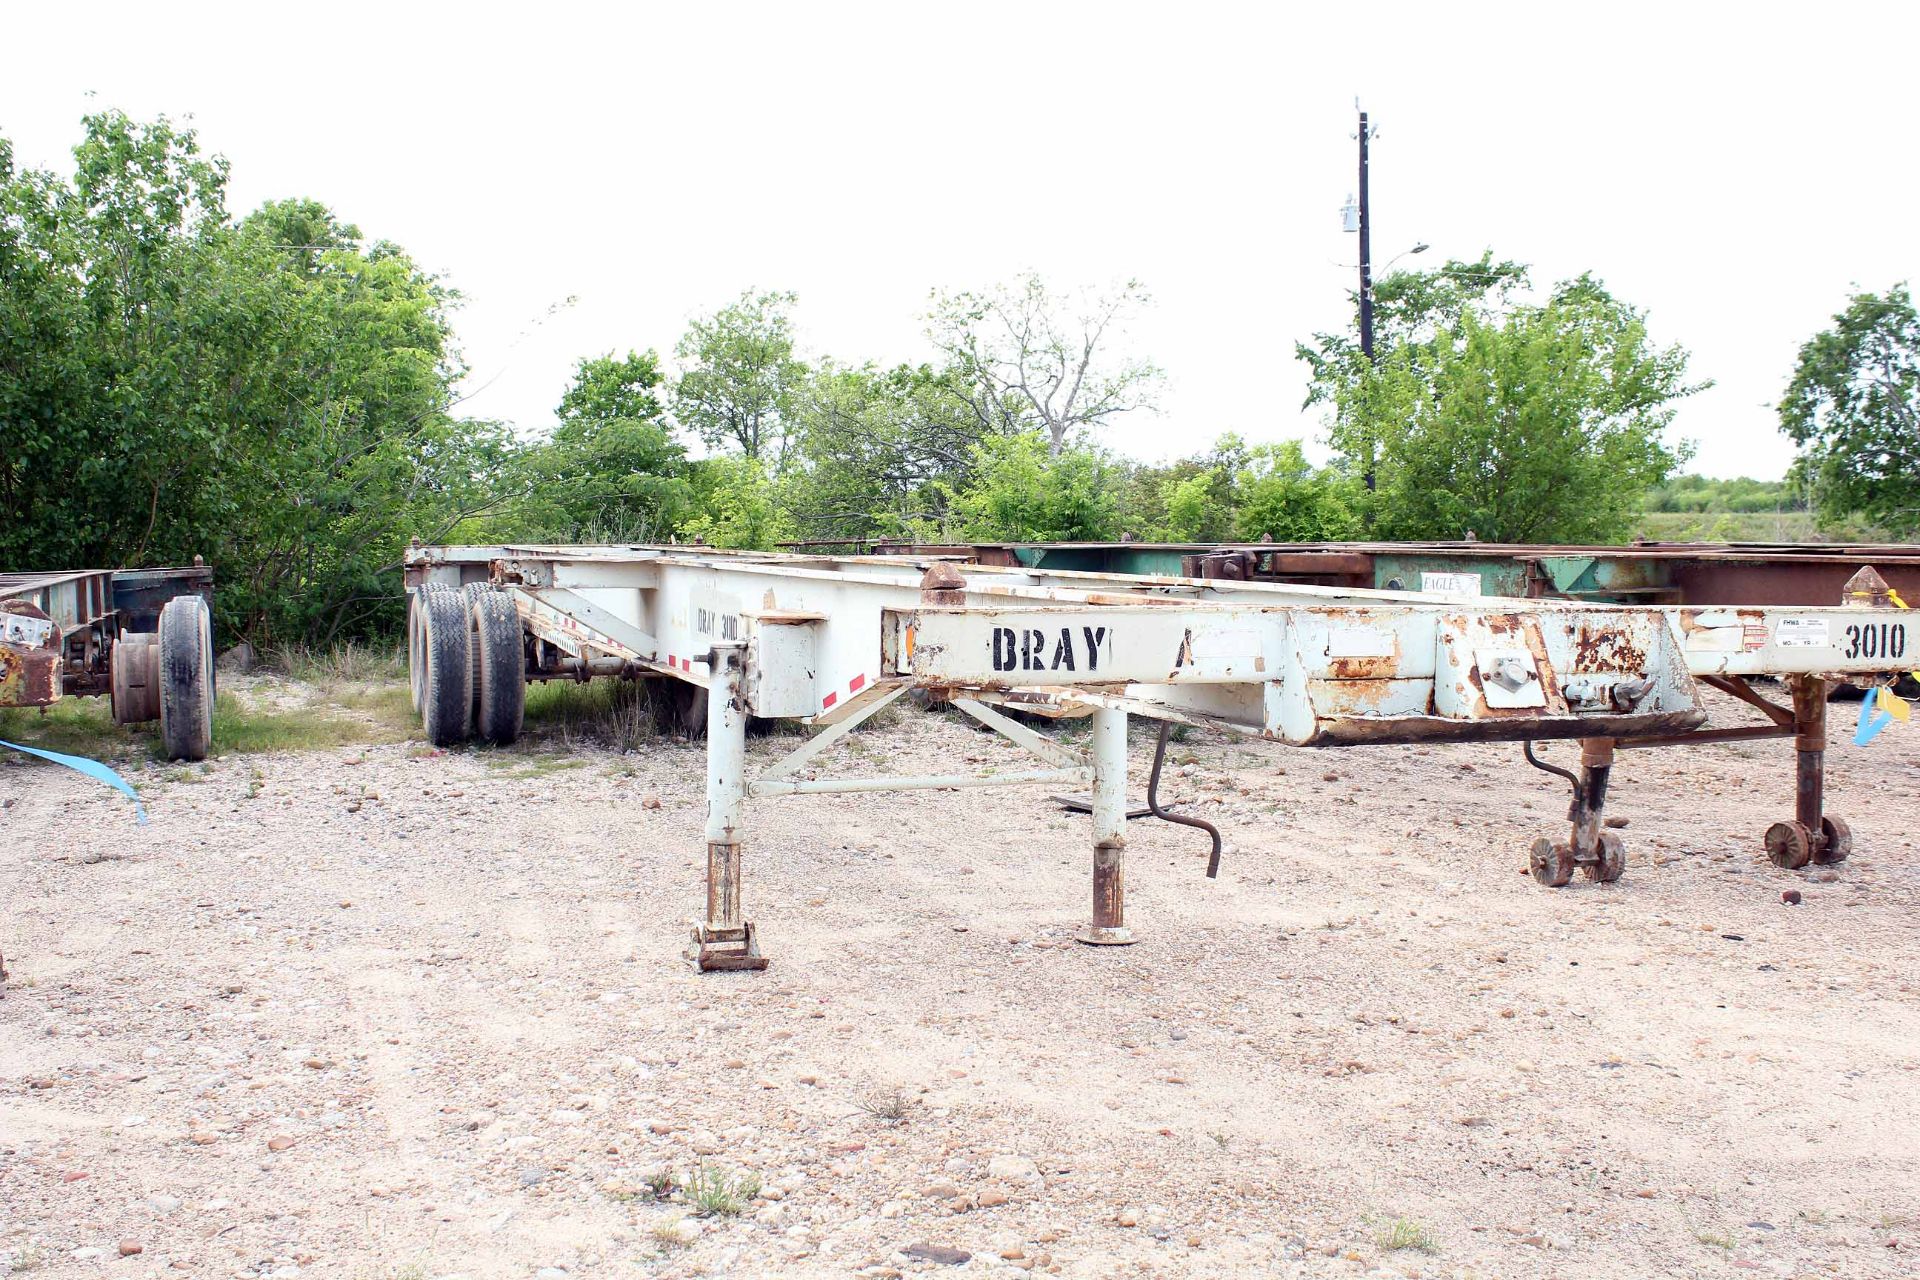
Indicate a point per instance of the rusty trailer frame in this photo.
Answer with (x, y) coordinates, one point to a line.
(828, 641)
(92, 632)
(1643, 572)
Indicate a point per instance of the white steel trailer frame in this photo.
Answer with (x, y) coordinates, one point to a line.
(829, 641)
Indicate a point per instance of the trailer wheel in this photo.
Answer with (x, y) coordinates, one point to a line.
(1551, 862)
(500, 695)
(1612, 863)
(1789, 845)
(186, 678)
(471, 593)
(446, 691)
(133, 669)
(1839, 839)
(417, 643)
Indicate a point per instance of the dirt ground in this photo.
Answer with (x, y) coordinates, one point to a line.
(379, 1012)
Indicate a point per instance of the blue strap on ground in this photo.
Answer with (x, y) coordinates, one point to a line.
(1871, 721)
(92, 768)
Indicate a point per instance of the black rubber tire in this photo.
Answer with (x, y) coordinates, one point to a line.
(500, 696)
(186, 678)
(446, 697)
(470, 594)
(417, 643)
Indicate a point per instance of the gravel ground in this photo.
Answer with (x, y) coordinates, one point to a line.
(384, 1012)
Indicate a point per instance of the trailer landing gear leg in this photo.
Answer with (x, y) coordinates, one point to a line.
(725, 940)
(1812, 836)
(1109, 927)
(1592, 848)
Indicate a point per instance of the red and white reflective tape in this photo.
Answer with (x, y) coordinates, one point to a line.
(854, 686)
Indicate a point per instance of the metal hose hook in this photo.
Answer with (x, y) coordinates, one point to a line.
(1153, 803)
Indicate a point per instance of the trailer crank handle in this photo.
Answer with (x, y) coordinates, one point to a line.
(1153, 803)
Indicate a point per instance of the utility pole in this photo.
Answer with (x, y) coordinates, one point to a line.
(1366, 261)
(1366, 278)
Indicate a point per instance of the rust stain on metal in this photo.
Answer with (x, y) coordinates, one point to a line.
(1376, 668)
(1109, 885)
(1605, 649)
(943, 585)
(1381, 729)
(28, 677)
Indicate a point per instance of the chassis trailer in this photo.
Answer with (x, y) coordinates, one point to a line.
(143, 637)
(1657, 573)
(829, 641)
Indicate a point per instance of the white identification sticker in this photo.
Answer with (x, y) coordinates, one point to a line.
(1355, 642)
(1451, 584)
(1801, 633)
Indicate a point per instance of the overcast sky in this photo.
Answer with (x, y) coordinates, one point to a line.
(1734, 169)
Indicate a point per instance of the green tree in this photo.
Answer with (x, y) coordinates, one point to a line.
(335, 437)
(1853, 408)
(738, 506)
(1283, 497)
(1191, 506)
(613, 471)
(613, 388)
(740, 377)
(1022, 492)
(1697, 493)
(881, 450)
(119, 259)
(1031, 359)
(48, 384)
(272, 394)
(1188, 500)
(1517, 422)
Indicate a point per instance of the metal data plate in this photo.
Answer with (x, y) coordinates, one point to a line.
(1509, 678)
(22, 629)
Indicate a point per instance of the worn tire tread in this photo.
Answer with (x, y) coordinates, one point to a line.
(186, 679)
(446, 704)
(500, 700)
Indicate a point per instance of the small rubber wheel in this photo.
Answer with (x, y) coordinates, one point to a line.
(186, 678)
(1551, 862)
(500, 698)
(446, 697)
(1612, 863)
(1839, 839)
(1789, 845)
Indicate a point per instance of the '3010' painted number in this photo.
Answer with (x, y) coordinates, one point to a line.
(1877, 640)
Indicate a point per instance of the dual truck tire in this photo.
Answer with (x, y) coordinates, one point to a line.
(466, 661)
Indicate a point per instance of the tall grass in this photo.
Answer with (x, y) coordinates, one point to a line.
(351, 662)
(618, 714)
